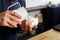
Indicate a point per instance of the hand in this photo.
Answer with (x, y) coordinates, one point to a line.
(9, 19)
(25, 25)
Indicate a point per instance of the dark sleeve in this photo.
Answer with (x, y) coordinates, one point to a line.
(22, 2)
(1, 7)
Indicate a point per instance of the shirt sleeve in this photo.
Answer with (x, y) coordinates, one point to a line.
(1, 7)
(22, 2)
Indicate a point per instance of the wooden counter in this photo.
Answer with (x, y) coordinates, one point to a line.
(49, 35)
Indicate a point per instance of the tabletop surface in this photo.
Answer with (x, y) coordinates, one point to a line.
(49, 35)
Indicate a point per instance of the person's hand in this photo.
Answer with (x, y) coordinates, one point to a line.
(25, 25)
(9, 19)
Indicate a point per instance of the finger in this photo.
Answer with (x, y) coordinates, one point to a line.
(6, 24)
(6, 13)
(15, 19)
(12, 23)
(23, 25)
(4, 21)
(29, 27)
(35, 27)
(16, 15)
(7, 20)
(9, 25)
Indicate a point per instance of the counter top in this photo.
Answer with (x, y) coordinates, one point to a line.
(49, 35)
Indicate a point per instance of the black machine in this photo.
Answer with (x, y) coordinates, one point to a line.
(51, 17)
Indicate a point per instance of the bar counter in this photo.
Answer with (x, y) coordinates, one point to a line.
(48, 35)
